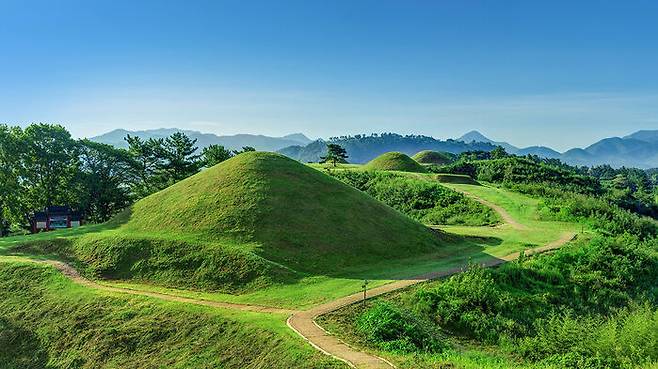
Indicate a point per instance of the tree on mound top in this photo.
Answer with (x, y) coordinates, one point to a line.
(335, 154)
(395, 161)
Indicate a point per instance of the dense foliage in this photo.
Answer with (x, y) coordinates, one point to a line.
(426, 201)
(632, 189)
(592, 304)
(42, 165)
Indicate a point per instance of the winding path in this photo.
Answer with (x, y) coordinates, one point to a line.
(507, 218)
(73, 275)
(303, 322)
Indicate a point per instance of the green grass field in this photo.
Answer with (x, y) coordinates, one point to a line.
(523, 209)
(48, 321)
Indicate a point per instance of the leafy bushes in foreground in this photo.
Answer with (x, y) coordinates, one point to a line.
(396, 330)
(588, 305)
(425, 201)
(567, 206)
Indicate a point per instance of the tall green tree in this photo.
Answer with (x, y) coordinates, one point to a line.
(10, 194)
(335, 154)
(215, 154)
(147, 155)
(106, 178)
(498, 153)
(50, 163)
(181, 160)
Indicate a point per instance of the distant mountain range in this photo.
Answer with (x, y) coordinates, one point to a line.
(639, 149)
(363, 148)
(234, 142)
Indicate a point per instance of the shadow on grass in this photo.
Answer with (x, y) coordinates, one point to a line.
(458, 253)
(20, 348)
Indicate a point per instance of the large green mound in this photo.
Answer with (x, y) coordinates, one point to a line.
(395, 161)
(254, 219)
(432, 157)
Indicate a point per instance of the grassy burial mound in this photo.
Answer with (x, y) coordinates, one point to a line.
(395, 161)
(252, 220)
(432, 157)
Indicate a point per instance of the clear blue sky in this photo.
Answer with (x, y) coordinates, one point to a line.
(562, 74)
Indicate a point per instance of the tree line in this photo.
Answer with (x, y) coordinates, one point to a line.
(43, 165)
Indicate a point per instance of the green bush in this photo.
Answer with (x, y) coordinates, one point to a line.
(394, 329)
(624, 340)
(425, 201)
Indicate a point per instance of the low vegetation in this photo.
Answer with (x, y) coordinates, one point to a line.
(48, 322)
(422, 199)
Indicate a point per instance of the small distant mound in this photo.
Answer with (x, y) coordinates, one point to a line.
(432, 157)
(456, 178)
(395, 161)
(255, 219)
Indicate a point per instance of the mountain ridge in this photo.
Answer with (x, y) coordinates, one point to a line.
(234, 142)
(638, 149)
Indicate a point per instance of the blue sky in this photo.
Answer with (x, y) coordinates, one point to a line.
(562, 74)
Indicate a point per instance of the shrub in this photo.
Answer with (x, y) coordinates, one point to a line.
(394, 329)
(423, 200)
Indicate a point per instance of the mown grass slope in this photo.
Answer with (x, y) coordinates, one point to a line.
(256, 219)
(394, 161)
(432, 157)
(46, 321)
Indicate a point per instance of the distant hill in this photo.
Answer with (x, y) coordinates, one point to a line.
(395, 161)
(260, 142)
(541, 151)
(362, 148)
(644, 135)
(475, 136)
(639, 149)
(433, 157)
(617, 152)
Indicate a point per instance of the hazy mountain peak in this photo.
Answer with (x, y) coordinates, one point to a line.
(299, 137)
(474, 136)
(647, 135)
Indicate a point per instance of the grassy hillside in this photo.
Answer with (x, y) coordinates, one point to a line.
(48, 322)
(253, 220)
(420, 197)
(433, 157)
(394, 161)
